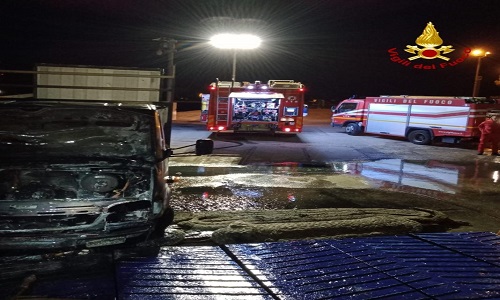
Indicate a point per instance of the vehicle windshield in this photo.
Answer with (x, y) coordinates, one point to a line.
(347, 107)
(50, 132)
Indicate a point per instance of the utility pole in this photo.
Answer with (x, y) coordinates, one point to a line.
(480, 54)
(167, 48)
(477, 79)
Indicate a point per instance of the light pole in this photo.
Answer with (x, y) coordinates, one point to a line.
(235, 42)
(480, 54)
(167, 48)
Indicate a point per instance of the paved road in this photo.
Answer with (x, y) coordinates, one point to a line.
(448, 178)
(318, 143)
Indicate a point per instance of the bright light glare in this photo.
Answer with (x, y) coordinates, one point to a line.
(479, 52)
(235, 41)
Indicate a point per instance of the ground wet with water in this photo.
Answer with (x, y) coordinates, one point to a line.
(467, 193)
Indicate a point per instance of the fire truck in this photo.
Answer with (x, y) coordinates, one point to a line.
(276, 106)
(420, 119)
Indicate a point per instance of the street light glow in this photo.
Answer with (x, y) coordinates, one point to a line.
(479, 52)
(235, 41)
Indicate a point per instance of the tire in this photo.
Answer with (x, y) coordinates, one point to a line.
(420, 137)
(352, 129)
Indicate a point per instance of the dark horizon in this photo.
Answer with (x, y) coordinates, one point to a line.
(336, 48)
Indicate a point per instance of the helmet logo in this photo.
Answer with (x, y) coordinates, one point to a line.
(429, 40)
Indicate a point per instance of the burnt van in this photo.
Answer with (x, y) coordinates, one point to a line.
(82, 174)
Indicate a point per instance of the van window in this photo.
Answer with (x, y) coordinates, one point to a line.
(347, 107)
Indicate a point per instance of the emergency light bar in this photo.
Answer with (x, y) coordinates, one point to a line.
(279, 84)
(257, 85)
(249, 95)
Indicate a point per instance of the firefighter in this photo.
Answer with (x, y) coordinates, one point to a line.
(490, 133)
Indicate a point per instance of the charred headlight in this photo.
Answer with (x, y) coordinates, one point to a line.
(100, 183)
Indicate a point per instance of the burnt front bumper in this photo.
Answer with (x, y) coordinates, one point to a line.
(63, 241)
(77, 226)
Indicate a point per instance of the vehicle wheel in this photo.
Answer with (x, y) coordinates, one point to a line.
(420, 137)
(352, 129)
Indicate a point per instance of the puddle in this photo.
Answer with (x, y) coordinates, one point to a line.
(389, 183)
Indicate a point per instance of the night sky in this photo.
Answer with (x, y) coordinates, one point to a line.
(337, 48)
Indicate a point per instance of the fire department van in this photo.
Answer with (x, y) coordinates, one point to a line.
(275, 106)
(420, 119)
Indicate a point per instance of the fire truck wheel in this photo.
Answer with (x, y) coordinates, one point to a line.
(352, 129)
(420, 137)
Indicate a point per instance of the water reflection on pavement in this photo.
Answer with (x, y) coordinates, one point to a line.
(465, 192)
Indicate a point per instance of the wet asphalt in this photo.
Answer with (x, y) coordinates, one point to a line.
(323, 167)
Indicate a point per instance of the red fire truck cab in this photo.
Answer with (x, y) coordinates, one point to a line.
(420, 119)
(275, 106)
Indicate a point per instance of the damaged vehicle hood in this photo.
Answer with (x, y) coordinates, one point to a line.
(40, 133)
